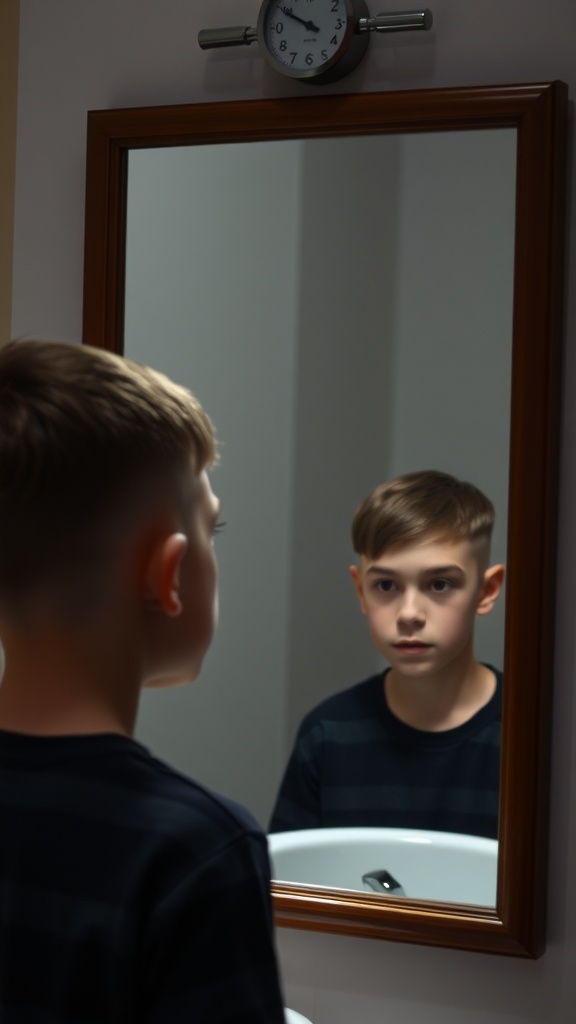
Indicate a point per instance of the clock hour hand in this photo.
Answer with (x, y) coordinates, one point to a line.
(308, 25)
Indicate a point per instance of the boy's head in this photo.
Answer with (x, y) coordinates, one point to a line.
(423, 504)
(89, 442)
(423, 542)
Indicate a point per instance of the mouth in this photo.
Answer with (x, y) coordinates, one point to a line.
(412, 647)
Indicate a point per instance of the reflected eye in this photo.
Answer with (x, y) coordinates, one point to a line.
(440, 586)
(384, 586)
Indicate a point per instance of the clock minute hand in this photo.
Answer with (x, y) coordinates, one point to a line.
(308, 25)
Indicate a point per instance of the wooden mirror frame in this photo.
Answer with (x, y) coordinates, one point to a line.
(538, 112)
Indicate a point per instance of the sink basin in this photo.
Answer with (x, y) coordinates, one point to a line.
(292, 1017)
(441, 866)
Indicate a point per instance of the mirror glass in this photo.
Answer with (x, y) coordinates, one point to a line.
(343, 308)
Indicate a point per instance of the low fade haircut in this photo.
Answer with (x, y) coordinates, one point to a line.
(422, 504)
(84, 434)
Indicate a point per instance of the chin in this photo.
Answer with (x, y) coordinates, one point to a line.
(184, 678)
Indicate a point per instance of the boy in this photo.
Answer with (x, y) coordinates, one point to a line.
(128, 892)
(417, 746)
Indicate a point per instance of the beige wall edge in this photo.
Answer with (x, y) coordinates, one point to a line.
(9, 34)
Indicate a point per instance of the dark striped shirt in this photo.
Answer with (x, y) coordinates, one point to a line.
(355, 764)
(128, 893)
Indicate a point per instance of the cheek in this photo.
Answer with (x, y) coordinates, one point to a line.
(458, 621)
(381, 620)
(211, 592)
(380, 610)
(202, 586)
(214, 611)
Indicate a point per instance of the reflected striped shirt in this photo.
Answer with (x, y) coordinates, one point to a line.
(355, 764)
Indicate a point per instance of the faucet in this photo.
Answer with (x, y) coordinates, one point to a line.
(383, 882)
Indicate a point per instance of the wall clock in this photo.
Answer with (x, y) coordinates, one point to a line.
(314, 41)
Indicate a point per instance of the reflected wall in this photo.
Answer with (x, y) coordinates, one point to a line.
(343, 309)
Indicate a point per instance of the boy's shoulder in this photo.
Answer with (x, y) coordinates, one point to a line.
(361, 700)
(140, 884)
(115, 780)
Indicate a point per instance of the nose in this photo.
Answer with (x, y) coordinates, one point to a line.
(411, 611)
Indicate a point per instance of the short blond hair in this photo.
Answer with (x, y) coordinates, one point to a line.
(80, 430)
(416, 505)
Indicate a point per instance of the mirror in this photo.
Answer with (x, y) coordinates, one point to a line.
(531, 119)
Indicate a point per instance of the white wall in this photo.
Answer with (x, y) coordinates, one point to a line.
(81, 54)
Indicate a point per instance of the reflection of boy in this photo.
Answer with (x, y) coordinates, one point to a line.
(417, 746)
(129, 892)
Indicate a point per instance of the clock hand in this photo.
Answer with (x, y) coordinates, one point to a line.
(309, 25)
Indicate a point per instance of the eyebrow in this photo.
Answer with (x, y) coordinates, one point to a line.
(436, 570)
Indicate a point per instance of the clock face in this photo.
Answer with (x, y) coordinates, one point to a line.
(302, 37)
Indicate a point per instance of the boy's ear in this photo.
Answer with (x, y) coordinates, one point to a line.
(163, 574)
(490, 590)
(357, 580)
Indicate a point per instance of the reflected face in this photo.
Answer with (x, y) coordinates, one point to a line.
(421, 601)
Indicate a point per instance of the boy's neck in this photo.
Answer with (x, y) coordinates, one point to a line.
(52, 686)
(85, 718)
(435, 703)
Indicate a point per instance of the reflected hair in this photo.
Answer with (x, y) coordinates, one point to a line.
(422, 504)
(84, 434)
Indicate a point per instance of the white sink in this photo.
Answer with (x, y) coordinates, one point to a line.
(292, 1017)
(441, 866)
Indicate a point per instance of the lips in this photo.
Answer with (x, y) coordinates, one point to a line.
(412, 647)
